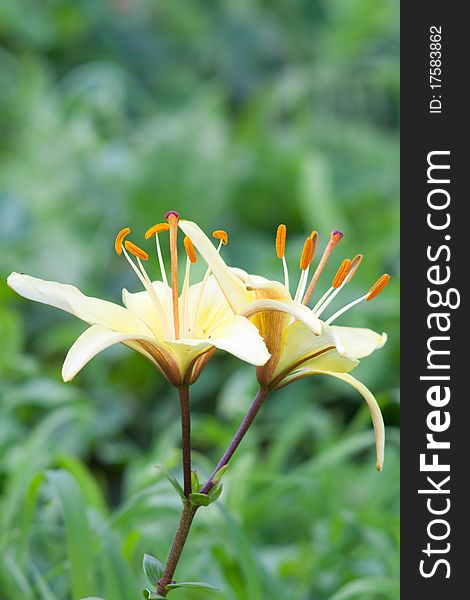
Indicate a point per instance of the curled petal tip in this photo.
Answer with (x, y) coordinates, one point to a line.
(12, 277)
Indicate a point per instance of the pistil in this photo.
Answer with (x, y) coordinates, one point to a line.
(172, 218)
(335, 237)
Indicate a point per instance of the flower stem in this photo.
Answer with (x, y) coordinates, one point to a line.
(237, 438)
(181, 536)
(186, 437)
(189, 511)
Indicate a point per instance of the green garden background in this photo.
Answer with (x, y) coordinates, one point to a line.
(240, 115)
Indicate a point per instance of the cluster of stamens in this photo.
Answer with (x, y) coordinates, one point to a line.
(343, 276)
(181, 325)
(179, 304)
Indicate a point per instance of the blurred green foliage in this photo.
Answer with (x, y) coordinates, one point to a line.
(240, 115)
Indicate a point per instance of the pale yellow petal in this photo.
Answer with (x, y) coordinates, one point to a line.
(92, 341)
(240, 273)
(230, 284)
(273, 289)
(375, 413)
(141, 305)
(186, 351)
(242, 339)
(358, 342)
(299, 311)
(302, 349)
(212, 308)
(70, 299)
(235, 335)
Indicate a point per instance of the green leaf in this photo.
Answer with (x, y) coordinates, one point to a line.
(85, 480)
(153, 568)
(30, 500)
(12, 580)
(174, 482)
(149, 595)
(194, 480)
(79, 537)
(365, 586)
(220, 473)
(198, 499)
(215, 491)
(193, 584)
(43, 589)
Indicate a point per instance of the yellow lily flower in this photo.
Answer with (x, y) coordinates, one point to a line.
(178, 333)
(301, 344)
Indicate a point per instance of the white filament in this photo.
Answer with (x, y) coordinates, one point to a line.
(286, 273)
(301, 285)
(201, 291)
(345, 308)
(184, 298)
(145, 280)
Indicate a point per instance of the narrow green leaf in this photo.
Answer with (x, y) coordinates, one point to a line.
(368, 585)
(42, 586)
(193, 584)
(118, 578)
(220, 473)
(199, 499)
(79, 537)
(215, 491)
(248, 561)
(12, 580)
(29, 504)
(153, 568)
(34, 456)
(88, 485)
(174, 482)
(149, 595)
(194, 480)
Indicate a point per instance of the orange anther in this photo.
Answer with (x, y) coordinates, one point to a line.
(314, 237)
(341, 273)
(307, 254)
(220, 234)
(156, 229)
(356, 261)
(135, 250)
(120, 238)
(281, 240)
(378, 286)
(190, 251)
